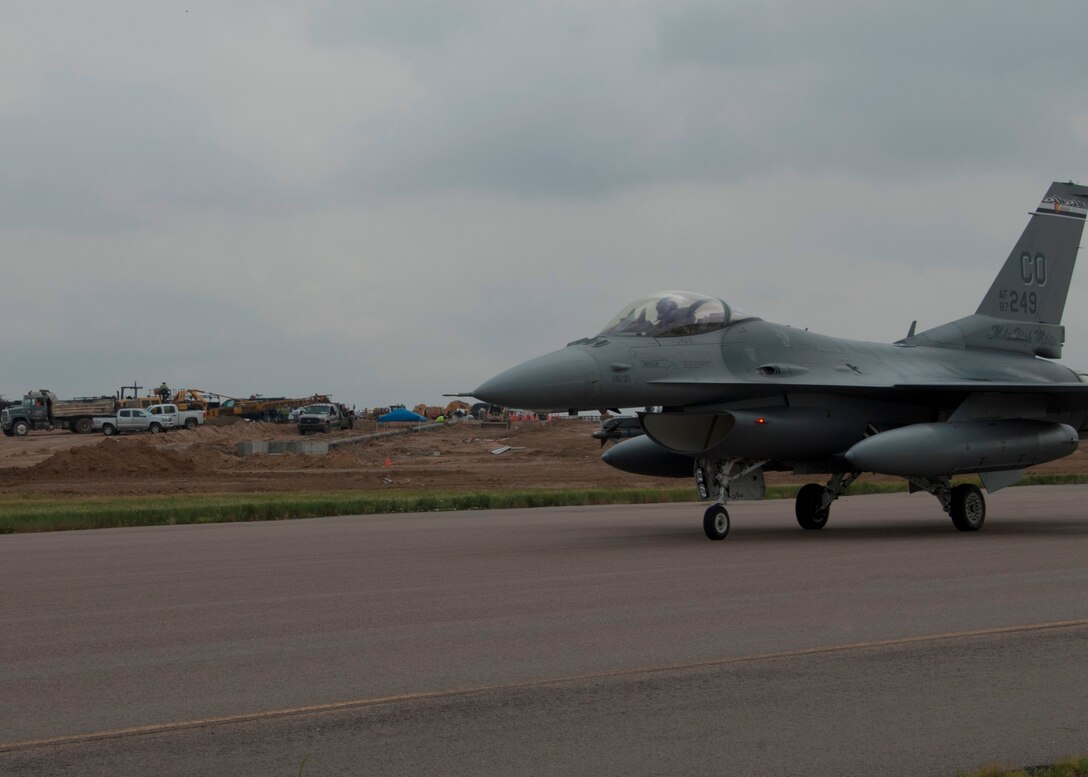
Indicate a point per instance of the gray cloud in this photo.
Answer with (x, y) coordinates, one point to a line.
(100, 154)
(538, 103)
(395, 24)
(388, 200)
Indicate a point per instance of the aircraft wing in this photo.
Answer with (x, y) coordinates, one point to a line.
(1066, 396)
(974, 386)
(1013, 399)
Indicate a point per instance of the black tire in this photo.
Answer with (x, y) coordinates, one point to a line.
(109, 430)
(328, 428)
(83, 426)
(716, 522)
(9, 433)
(968, 509)
(154, 428)
(190, 423)
(811, 515)
(302, 432)
(20, 429)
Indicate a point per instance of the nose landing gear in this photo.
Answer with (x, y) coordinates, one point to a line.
(716, 522)
(722, 480)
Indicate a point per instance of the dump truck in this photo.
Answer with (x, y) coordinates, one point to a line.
(42, 410)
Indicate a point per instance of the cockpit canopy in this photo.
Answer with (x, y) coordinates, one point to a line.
(672, 314)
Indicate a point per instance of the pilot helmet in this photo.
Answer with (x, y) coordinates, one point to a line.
(667, 307)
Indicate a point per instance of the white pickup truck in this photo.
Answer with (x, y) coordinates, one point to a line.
(173, 418)
(128, 420)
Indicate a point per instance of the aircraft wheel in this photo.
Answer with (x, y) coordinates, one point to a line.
(810, 514)
(968, 507)
(716, 522)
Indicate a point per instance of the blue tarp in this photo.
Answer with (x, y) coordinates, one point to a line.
(401, 415)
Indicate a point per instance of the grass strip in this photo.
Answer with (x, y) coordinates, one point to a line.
(1073, 767)
(37, 514)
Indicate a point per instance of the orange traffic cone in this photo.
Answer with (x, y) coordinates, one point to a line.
(388, 463)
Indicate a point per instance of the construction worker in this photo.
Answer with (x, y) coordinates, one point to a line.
(164, 392)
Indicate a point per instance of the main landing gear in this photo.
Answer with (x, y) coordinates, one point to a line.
(813, 505)
(965, 504)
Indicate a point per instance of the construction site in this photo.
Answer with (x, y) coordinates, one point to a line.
(251, 445)
(462, 455)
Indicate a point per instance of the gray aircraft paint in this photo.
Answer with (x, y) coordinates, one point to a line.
(753, 395)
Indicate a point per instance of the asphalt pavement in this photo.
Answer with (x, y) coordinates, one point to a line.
(597, 640)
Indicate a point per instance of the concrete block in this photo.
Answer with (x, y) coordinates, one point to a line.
(250, 448)
(310, 447)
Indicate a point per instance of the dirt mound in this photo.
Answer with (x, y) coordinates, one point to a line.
(126, 457)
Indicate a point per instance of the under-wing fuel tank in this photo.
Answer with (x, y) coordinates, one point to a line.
(921, 450)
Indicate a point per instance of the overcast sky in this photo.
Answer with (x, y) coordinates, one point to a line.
(387, 201)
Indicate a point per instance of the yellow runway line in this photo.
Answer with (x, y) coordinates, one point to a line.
(317, 709)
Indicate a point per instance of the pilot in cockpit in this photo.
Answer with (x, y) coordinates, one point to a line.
(672, 314)
(668, 313)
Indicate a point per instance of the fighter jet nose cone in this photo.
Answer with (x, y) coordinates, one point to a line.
(557, 381)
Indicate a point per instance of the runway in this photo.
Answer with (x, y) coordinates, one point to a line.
(602, 640)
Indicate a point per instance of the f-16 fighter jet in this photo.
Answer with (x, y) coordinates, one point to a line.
(729, 396)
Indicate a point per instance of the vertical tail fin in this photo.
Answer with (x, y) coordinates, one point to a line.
(1022, 311)
(1033, 284)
